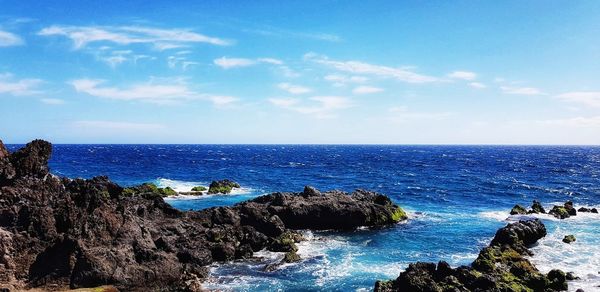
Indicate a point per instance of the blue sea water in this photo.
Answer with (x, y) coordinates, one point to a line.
(456, 196)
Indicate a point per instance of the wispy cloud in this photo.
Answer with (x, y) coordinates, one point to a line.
(366, 90)
(161, 39)
(402, 114)
(52, 101)
(580, 122)
(521, 90)
(339, 80)
(160, 92)
(321, 107)
(590, 98)
(293, 89)
(117, 126)
(283, 33)
(463, 75)
(403, 74)
(8, 39)
(477, 85)
(228, 63)
(17, 87)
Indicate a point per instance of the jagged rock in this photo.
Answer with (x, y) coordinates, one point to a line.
(222, 186)
(310, 192)
(59, 233)
(569, 239)
(518, 209)
(502, 266)
(537, 207)
(559, 212)
(587, 210)
(570, 209)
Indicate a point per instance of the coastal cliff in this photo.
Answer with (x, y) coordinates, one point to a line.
(58, 233)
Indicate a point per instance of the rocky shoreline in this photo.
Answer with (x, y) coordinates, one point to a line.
(59, 233)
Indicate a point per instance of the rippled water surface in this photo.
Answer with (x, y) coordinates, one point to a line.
(457, 197)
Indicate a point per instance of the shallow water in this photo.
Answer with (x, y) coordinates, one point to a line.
(457, 196)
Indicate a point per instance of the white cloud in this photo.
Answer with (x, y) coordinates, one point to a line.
(357, 67)
(521, 90)
(366, 90)
(117, 126)
(270, 61)
(18, 87)
(52, 101)
(590, 98)
(580, 122)
(322, 106)
(160, 92)
(293, 89)
(228, 63)
(477, 85)
(161, 39)
(276, 32)
(221, 101)
(8, 39)
(463, 75)
(338, 80)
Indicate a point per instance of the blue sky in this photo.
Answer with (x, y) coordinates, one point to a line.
(394, 72)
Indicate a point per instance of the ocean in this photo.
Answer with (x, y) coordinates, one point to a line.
(456, 197)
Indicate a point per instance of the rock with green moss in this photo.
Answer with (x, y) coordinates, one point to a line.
(290, 257)
(518, 210)
(502, 266)
(198, 189)
(537, 207)
(222, 186)
(148, 190)
(559, 212)
(569, 238)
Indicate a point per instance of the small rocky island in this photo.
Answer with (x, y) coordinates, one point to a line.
(58, 233)
(502, 266)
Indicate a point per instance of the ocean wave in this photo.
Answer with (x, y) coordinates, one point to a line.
(186, 186)
(579, 257)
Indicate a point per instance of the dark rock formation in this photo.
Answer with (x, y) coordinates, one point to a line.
(587, 210)
(518, 209)
(537, 207)
(222, 186)
(569, 238)
(58, 233)
(501, 266)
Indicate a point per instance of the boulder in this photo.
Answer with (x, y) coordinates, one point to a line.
(537, 207)
(222, 186)
(569, 239)
(570, 209)
(518, 209)
(559, 212)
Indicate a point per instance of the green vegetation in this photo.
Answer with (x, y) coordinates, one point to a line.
(518, 209)
(198, 189)
(399, 215)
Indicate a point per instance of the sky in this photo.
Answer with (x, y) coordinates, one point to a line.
(300, 72)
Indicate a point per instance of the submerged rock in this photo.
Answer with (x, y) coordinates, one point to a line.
(222, 186)
(502, 266)
(59, 233)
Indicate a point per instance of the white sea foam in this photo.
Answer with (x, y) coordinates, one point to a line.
(178, 185)
(579, 257)
(186, 186)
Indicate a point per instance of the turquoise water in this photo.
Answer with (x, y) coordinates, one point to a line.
(456, 196)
